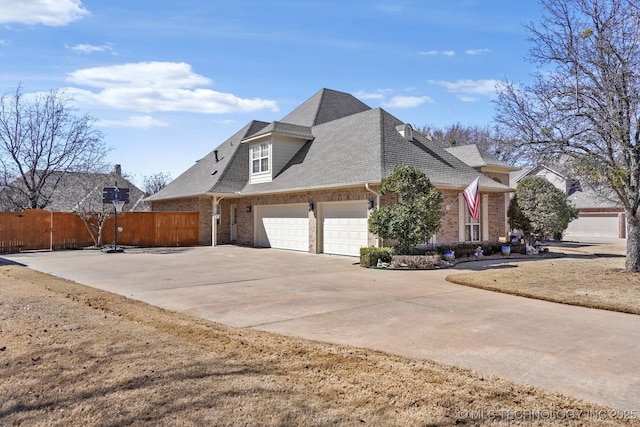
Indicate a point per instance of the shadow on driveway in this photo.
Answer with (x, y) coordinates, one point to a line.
(4, 261)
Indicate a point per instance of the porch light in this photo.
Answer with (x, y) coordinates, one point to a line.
(310, 206)
(248, 208)
(370, 204)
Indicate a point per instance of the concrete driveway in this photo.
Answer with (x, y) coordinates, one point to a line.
(591, 354)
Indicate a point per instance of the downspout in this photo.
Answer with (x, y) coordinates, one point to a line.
(366, 186)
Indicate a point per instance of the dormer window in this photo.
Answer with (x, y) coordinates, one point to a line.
(260, 157)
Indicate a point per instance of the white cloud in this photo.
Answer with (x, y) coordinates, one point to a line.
(377, 94)
(143, 122)
(406, 101)
(89, 48)
(53, 13)
(476, 51)
(466, 90)
(157, 86)
(437, 53)
(468, 98)
(4, 42)
(159, 75)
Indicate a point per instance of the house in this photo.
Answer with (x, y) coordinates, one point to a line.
(308, 181)
(492, 167)
(597, 217)
(82, 191)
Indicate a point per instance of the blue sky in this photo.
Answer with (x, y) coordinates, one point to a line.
(168, 81)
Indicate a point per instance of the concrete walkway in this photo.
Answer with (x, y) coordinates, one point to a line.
(591, 354)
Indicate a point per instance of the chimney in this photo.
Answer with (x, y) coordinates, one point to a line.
(117, 169)
(215, 153)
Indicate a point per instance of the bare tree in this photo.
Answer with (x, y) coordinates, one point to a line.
(40, 141)
(156, 182)
(490, 139)
(584, 102)
(88, 203)
(95, 219)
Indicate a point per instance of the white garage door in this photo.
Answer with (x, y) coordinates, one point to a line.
(283, 227)
(605, 225)
(344, 227)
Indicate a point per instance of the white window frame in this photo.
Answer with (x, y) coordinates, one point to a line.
(472, 227)
(260, 157)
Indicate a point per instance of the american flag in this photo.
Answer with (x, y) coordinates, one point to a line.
(472, 197)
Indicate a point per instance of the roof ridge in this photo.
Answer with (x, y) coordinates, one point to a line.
(322, 97)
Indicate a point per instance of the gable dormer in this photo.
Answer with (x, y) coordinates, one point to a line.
(406, 131)
(272, 148)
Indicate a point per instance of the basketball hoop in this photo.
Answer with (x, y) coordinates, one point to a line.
(118, 205)
(118, 197)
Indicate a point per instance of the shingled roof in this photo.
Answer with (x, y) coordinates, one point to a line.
(325, 106)
(82, 191)
(348, 143)
(223, 170)
(476, 158)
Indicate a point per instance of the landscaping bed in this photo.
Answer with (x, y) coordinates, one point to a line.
(440, 257)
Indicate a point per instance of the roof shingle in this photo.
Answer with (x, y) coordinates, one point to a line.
(348, 144)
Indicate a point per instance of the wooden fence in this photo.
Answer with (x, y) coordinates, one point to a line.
(41, 229)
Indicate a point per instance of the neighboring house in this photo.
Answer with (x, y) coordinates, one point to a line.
(308, 181)
(596, 217)
(491, 166)
(80, 191)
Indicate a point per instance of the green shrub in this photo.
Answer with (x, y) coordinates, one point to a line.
(466, 250)
(369, 256)
(518, 248)
(492, 248)
(462, 250)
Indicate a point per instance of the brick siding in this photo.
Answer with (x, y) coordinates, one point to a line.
(447, 234)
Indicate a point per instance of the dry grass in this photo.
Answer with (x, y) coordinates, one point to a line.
(73, 355)
(588, 275)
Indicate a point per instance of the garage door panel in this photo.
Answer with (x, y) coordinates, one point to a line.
(605, 225)
(283, 227)
(344, 228)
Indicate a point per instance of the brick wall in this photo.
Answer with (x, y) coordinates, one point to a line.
(449, 227)
(245, 226)
(245, 220)
(494, 217)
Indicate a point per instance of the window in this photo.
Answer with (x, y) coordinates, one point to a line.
(260, 158)
(472, 228)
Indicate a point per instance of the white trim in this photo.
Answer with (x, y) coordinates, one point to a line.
(264, 175)
(215, 204)
(461, 217)
(464, 226)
